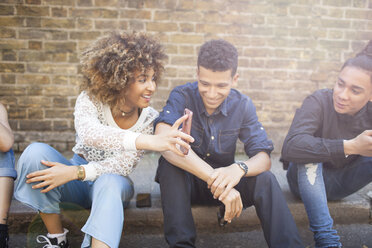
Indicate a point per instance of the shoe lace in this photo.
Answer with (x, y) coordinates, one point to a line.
(46, 240)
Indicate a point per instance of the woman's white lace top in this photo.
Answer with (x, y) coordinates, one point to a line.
(107, 148)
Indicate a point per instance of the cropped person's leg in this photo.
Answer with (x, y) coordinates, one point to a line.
(310, 187)
(263, 191)
(110, 195)
(7, 176)
(175, 187)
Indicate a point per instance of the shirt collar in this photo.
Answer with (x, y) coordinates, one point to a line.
(220, 109)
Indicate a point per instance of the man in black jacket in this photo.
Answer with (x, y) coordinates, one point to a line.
(329, 145)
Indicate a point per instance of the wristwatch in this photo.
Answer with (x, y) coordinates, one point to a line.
(243, 166)
(80, 173)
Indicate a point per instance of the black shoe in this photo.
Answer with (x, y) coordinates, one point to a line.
(51, 242)
(4, 239)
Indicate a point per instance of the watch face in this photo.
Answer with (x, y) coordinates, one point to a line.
(80, 173)
(243, 166)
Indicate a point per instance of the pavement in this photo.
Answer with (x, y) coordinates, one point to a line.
(147, 222)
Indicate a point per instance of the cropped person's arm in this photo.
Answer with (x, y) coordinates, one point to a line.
(6, 134)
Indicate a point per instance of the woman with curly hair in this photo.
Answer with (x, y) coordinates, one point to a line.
(114, 125)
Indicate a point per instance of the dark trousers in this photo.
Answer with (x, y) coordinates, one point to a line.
(180, 189)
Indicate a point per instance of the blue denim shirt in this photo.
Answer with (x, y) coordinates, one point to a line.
(216, 134)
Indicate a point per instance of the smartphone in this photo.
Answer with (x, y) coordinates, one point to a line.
(186, 128)
(221, 215)
(143, 200)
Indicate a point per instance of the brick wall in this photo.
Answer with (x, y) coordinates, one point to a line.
(287, 48)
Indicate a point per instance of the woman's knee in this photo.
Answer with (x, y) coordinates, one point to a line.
(114, 186)
(32, 155)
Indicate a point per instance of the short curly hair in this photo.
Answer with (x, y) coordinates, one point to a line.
(109, 64)
(218, 55)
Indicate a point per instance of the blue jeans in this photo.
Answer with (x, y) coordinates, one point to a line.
(315, 184)
(106, 218)
(7, 164)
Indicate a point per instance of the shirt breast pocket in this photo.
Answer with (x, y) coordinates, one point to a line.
(227, 140)
(197, 132)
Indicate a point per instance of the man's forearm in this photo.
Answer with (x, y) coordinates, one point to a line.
(191, 163)
(257, 164)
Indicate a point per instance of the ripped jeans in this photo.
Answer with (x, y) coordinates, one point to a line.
(315, 183)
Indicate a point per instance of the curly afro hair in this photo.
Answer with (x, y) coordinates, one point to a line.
(109, 64)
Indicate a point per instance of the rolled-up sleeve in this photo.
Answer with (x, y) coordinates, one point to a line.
(252, 133)
(173, 109)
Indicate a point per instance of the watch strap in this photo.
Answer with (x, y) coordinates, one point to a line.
(80, 173)
(243, 166)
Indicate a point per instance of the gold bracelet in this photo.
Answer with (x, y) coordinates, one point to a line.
(80, 173)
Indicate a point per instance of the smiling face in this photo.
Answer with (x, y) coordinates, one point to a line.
(352, 90)
(214, 87)
(139, 93)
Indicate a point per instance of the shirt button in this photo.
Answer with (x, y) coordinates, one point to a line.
(208, 154)
(167, 111)
(212, 138)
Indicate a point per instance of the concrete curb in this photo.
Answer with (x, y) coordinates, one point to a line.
(353, 209)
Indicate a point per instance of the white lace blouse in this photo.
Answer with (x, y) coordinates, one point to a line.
(107, 147)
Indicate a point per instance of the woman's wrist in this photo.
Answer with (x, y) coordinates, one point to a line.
(80, 173)
(144, 142)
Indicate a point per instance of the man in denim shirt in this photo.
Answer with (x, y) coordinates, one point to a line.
(209, 175)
